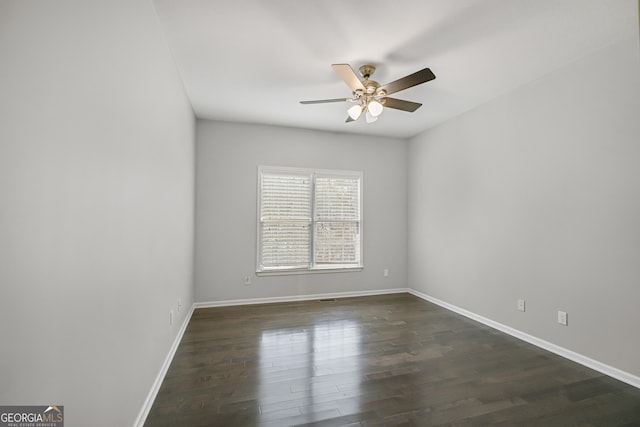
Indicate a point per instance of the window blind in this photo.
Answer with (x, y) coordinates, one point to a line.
(308, 219)
(337, 220)
(285, 221)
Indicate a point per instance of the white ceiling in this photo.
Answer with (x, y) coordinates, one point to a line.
(254, 60)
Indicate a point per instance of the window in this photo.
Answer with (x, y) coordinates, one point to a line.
(308, 219)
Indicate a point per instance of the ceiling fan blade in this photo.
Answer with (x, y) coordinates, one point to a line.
(323, 101)
(401, 104)
(349, 76)
(411, 80)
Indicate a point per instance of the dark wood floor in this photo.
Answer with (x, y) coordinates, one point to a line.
(392, 360)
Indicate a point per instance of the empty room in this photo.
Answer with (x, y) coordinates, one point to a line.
(328, 213)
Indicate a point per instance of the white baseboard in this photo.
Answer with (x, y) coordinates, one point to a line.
(151, 397)
(616, 373)
(292, 298)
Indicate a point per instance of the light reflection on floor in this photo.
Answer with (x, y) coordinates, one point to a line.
(307, 366)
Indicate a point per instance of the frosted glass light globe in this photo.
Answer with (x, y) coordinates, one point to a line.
(375, 108)
(355, 111)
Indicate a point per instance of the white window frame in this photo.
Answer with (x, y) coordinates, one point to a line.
(314, 267)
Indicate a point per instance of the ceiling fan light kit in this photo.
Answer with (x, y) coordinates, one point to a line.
(370, 97)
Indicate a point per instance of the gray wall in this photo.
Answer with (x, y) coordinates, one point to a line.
(228, 155)
(536, 195)
(97, 195)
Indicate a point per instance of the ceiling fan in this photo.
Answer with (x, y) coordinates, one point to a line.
(370, 97)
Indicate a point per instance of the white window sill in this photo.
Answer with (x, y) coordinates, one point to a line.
(309, 271)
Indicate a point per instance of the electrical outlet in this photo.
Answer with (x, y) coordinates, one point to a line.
(170, 317)
(179, 305)
(563, 318)
(521, 305)
(385, 272)
(247, 280)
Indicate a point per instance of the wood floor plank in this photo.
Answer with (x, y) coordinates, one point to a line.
(390, 360)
